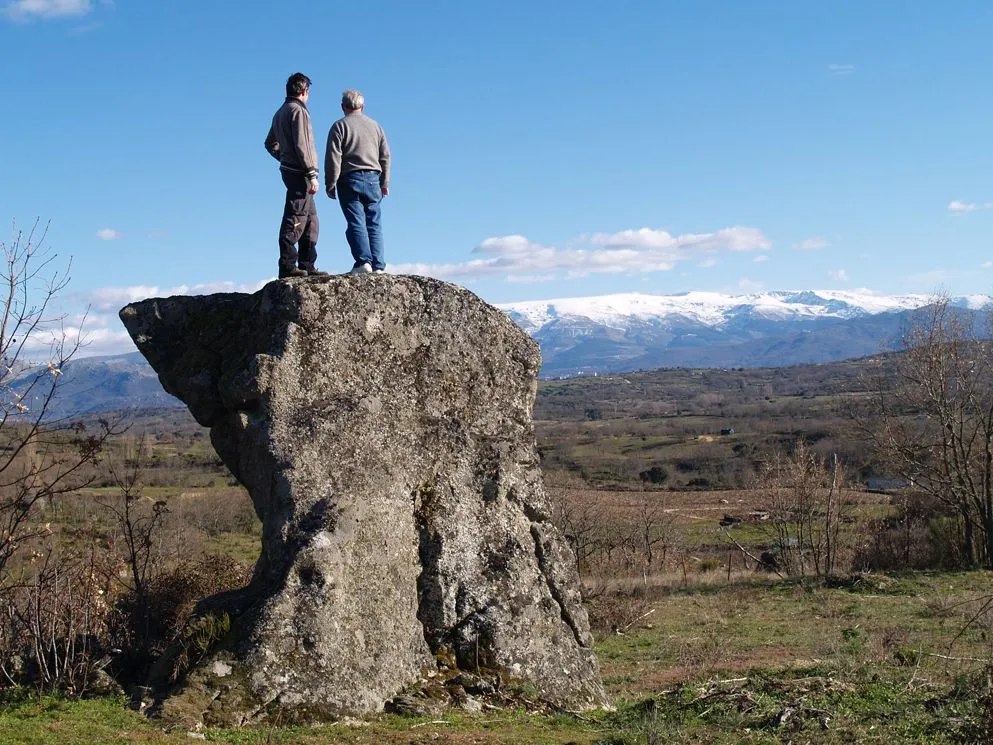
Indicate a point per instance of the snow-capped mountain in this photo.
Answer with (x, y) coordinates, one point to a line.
(630, 331)
(611, 333)
(715, 309)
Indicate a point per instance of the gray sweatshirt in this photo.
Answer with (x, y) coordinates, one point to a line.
(291, 139)
(357, 143)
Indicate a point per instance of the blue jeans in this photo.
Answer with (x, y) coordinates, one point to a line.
(359, 195)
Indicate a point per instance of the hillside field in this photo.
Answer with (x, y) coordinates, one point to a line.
(877, 659)
(699, 641)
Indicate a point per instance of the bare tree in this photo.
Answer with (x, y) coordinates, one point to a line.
(654, 533)
(931, 419)
(827, 531)
(138, 520)
(48, 594)
(59, 619)
(580, 515)
(808, 505)
(40, 459)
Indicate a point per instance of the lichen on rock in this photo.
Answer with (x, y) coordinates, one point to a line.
(382, 426)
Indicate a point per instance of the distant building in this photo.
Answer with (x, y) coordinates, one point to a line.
(883, 484)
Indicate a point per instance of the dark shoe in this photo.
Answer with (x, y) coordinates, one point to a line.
(315, 272)
(294, 272)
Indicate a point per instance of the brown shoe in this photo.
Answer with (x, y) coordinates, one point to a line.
(294, 272)
(315, 272)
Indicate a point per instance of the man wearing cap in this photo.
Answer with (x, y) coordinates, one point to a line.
(357, 173)
(291, 142)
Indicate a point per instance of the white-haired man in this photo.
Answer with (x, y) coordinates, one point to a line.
(357, 169)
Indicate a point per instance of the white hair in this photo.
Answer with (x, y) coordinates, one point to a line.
(353, 100)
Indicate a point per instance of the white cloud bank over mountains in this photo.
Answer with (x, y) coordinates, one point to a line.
(98, 330)
(628, 251)
(103, 333)
(513, 258)
(112, 299)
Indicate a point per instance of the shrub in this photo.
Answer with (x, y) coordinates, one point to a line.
(146, 632)
(56, 617)
(654, 475)
(708, 565)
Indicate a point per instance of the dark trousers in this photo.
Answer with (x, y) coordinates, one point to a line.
(299, 226)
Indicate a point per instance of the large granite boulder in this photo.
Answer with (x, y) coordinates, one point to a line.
(382, 425)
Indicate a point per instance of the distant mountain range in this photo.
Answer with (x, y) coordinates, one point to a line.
(90, 385)
(615, 333)
(612, 333)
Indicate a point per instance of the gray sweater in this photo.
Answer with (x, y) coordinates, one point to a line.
(357, 143)
(291, 139)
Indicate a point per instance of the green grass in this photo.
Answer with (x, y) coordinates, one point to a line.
(51, 721)
(882, 659)
(244, 549)
(890, 654)
(802, 708)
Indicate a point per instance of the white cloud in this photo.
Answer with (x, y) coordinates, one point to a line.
(629, 251)
(108, 234)
(749, 285)
(27, 9)
(94, 333)
(959, 207)
(812, 244)
(641, 238)
(736, 238)
(841, 69)
(102, 340)
(987, 265)
(91, 317)
(760, 258)
(839, 275)
(938, 277)
(113, 298)
(526, 279)
(707, 263)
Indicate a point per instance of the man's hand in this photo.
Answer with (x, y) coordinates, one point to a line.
(386, 191)
(331, 192)
(313, 186)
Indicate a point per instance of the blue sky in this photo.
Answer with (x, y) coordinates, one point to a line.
(541, 149)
